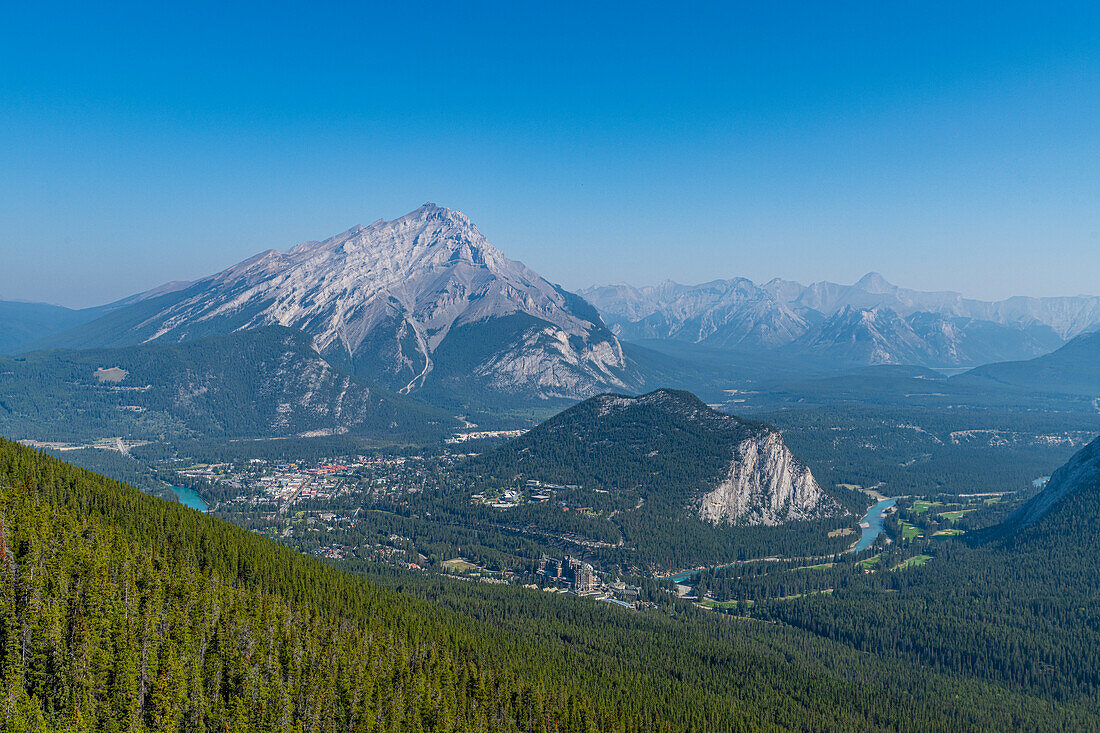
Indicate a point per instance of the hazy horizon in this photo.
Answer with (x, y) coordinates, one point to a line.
(714, 276)
(946, 148)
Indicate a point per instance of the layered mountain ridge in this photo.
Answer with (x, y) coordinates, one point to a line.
(260, 383)
(869, 322)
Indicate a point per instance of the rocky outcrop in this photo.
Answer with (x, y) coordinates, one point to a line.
(765, 484)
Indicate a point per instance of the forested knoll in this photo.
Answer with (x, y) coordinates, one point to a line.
(641, 464)
(123, 612)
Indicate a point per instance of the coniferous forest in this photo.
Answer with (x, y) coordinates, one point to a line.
(125, 612)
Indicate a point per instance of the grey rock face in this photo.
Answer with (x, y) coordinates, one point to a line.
(765, 484)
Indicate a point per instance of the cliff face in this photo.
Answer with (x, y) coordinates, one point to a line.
(765, 484)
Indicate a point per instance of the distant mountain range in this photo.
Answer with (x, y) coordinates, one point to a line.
(869, 322)
(424, 306)
(422, 303)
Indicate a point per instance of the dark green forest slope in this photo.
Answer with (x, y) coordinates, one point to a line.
(1019, 605)
(119, 611)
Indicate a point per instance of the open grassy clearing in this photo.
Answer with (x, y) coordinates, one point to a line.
(870, 562)
(955, 515)
(458, 565)
(909, 531)
(711, 603)
(820, 566)
(921, 506)
(913, 562)
(807, 593)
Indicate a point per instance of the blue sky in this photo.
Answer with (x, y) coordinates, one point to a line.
(946, 145)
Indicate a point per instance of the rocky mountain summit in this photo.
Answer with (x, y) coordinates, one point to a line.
(419, 301)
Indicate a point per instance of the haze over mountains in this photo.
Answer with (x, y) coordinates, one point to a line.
(869, 322)
(423, 307)
(425, 304)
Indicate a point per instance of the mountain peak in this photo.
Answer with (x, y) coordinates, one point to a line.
(383, 299)
(875, 283)
(429, 211)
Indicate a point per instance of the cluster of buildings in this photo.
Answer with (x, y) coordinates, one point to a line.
(482, 435)
(534, 491)
(582, 579)
(259, 481)
(580, 576)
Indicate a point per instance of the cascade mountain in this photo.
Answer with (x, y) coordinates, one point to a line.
(267, 382)
(422, 303)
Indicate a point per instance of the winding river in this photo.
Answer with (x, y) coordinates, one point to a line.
(871, 524)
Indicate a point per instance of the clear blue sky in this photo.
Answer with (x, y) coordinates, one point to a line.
(944, 146)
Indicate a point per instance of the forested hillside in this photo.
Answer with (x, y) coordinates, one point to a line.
(680, 483)
(1020, 607)
(268, 382)
(123, 612)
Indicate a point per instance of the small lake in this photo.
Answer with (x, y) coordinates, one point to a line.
(874, 520)
(188, 497)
